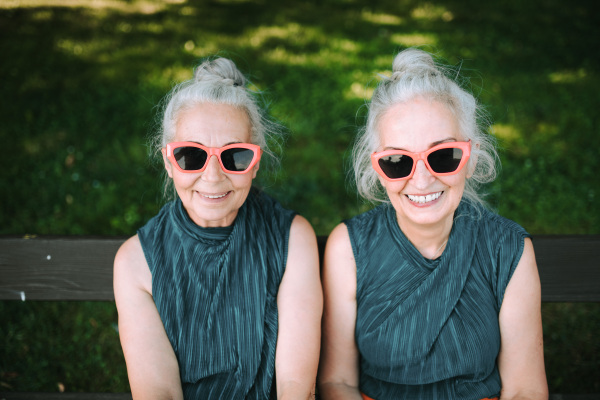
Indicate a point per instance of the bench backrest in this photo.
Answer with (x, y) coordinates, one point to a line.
(80, 268)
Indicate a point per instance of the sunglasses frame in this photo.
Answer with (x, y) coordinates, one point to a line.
(213, 151)
(464, 146)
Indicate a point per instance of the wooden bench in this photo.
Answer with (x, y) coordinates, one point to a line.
(80, 269)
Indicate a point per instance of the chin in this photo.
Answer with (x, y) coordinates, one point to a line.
(422, 215)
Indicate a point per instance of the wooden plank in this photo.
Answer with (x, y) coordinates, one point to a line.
(127, 396)
(63, 396)
(584, 396)
(80, 268)
(57, 268)
(569, 267)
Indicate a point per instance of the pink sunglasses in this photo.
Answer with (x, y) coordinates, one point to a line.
(190, 157)
(443, 159)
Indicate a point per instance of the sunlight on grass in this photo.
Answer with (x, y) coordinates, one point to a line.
(568, 76)
(42, 15)
(309, 46)
(206, 49)
(358, 91)
(139, 6)
(344, 45)
(166, 77)
(297, 34)
(324, 58)
(415, 39)
(506, 132)
(429, 11)
(381, 19)
(69, 46)
(187, 11)
(282, 56)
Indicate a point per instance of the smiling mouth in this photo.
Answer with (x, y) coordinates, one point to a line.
(215, 196)
(424, 199)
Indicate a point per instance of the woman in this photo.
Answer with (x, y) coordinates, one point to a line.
(429, 295)
(219, 294)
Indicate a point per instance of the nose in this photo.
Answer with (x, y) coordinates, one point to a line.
(422, 178)
(213, 171)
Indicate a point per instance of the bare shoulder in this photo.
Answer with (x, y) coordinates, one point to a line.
(301, 284)
(131, 267)
(129, 251)
(338, 251)
(339, 239)
(525, 282)
(303, 253)
(339, 268)
(301, 230)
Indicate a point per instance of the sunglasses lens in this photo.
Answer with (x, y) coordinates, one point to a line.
(190, 158)
(237, 159)
(445, 160)
(396, 166)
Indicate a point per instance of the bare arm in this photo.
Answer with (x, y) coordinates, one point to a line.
(300, 304)
(521, 358)
(339, 366)
(151, 363)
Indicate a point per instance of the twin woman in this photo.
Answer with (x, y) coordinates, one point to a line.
(429, 295)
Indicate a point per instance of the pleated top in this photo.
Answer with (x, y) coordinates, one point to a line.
(216, 292)
(428, 329)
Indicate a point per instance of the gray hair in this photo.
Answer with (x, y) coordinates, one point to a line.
(216, 81)
(416, 74)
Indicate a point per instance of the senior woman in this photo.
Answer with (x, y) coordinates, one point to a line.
(219, 294)
(429, 295)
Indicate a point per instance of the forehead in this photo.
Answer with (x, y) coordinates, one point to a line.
(417, 125)
(213, 125)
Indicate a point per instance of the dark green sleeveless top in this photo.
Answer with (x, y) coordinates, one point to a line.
(428, 329)
(216, 292)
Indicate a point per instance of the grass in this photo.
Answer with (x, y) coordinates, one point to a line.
(61, 345)
(81, 81)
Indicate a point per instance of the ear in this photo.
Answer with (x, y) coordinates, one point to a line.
(168, 165)
(473, 160)
(255, 169)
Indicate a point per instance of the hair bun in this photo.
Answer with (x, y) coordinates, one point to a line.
(221, 69)
(413, 61)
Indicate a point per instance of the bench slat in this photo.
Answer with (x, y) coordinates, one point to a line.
(80, 268)
(57, 268)
(127, 396)
(569, 267)
(64, 396)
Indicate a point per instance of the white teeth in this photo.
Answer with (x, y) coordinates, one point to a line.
(218, 196)
(424, 199)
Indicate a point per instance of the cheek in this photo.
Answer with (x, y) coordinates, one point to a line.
(244, 181)
(183, 181)
(392, 187)
(455, 182)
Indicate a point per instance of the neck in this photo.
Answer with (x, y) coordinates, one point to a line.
(429, 240)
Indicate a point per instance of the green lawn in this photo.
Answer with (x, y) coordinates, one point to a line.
(79, 86)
